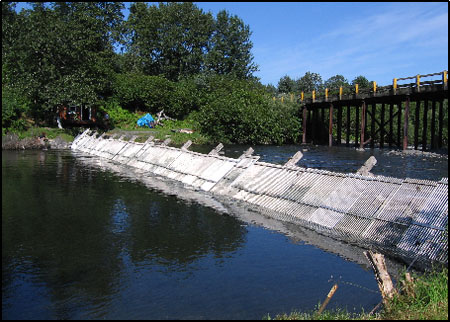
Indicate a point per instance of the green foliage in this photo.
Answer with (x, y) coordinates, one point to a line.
(286, 85)
(14, 110)
(118, 116)
(362, 82)
(309, 82)
(424, 299)
(335, 82)
(60, 53)
(229, 51)
(138, 92)
(240, 112)
(179, 40)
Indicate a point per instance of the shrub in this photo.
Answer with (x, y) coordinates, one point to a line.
(241, 112)
(142, 92)
(119, 117)
(14, 110)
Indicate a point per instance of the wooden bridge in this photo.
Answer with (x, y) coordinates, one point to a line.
(394, 100)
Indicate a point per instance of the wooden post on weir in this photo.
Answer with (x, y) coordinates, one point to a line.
(363, 124)
(330, 127)
(405, 125)
(305, 113)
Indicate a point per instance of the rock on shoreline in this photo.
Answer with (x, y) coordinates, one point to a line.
(12, 142)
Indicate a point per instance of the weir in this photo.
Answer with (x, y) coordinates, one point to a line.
(404, 218)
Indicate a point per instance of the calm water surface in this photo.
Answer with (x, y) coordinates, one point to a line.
(81, 242)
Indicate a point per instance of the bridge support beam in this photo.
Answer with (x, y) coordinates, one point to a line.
(372, 126)
(339, 125)
(416, 125)
(305, 114)
(405, 125)
(433, 124)
(382, 127)
(441, 123)
(363, 124)
(330, 127)
(399, 124)
(347, 137)
(425, 125)
(391, 123)
(357, 126)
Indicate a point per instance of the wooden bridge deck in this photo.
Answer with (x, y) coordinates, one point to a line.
(396, 95)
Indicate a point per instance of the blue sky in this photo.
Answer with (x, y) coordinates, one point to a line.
(379, 40)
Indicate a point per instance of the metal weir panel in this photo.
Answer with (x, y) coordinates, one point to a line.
(407, 218)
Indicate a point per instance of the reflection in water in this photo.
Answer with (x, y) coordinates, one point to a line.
(66, 228)
(81, 242)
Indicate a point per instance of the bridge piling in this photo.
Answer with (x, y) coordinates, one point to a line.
(416, 125)
(382, 127)
(372, 126)
(391, 123)
(433, 121)
(357, 126)
(441, 123)
(399, 124)
(339, 124)
(363, 124)
(425, 125)
(330, 127)
(347, 137)
(405, 125)
(305, 113)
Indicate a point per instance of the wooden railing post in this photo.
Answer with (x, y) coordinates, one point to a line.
(444, 79)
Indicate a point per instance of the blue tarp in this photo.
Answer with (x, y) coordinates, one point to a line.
(147, 119)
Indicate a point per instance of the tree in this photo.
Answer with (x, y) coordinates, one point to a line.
(362, 82)
(168, 39)
(335, 82)
(309, 82)
(230, 47)
(286, 85)
(62, 53)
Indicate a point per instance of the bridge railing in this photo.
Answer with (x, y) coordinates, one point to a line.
(418, 84)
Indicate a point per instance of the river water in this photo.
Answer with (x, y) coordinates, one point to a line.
(84, 242)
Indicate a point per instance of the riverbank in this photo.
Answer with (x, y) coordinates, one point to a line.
(423, 297)
(12, 141)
